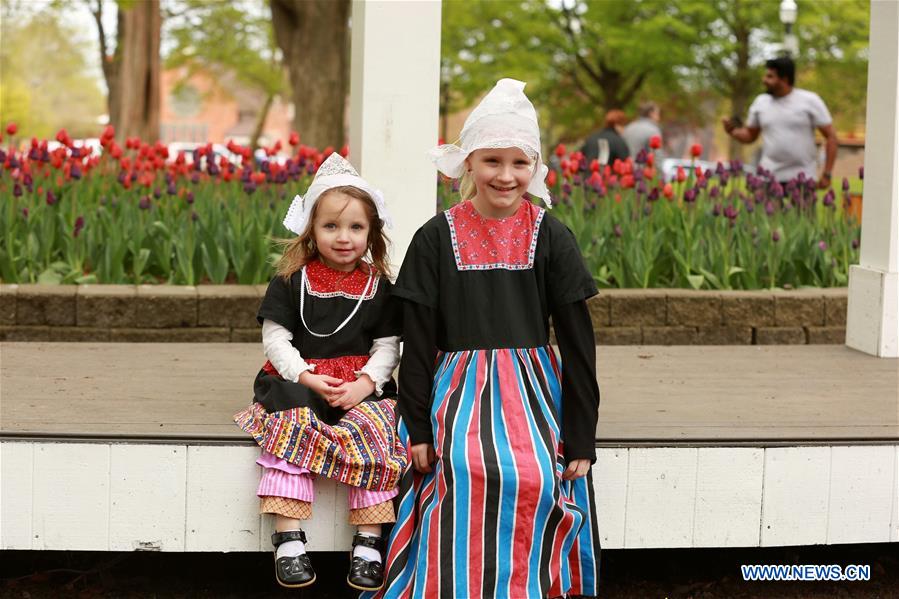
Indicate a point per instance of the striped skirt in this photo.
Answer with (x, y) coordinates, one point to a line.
(494, 518)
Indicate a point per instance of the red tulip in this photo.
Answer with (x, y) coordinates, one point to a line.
(681, 174)
(293, 139)
(649, 172)
(668, 191)
(560, 150)
(594, 165)
(551, 178)
(345, 150)
(651, 159)
(627, 181)
(258, 178)
(655, 142)
(696, 150)
(11, 129)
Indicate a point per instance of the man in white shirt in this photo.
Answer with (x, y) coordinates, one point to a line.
(788, 117)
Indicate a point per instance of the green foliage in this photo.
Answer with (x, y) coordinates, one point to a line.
(581, 58)
(235, 36)
(46, 80)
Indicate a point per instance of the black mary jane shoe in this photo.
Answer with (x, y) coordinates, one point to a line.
(292, 572)
(365, 575)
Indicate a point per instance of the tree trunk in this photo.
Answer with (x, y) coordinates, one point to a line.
(260, 121)
(314, 37)
(134, 99)
(743, 79)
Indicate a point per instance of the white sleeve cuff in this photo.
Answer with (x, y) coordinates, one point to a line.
(276, 343)
(385, 356)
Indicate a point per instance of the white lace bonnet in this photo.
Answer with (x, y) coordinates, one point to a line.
(505, 118)
(335, 171)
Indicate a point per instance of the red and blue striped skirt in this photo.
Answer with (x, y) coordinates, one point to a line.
(494, 518)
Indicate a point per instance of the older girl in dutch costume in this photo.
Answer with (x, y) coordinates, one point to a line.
(500, 502)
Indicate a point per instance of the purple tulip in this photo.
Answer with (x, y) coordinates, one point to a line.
(750, 207)
(845, 184)
(829, 198)
(714, 192)
(775, 236)
(861, 172)
(195, 178)
(617, 231)
(653, 194)
(76, 152)
(45, 156)
(144, 203)
(121, 177)
(769, 208)
(171, 189)
(731, 213)
(455, 186)
(75, 171)
(690, 195)
(51, 198)
(702, 183)
(34, 154)
(576, 180)
(157, 193)
(640, 158)
(249, 188)
(777, 190)
(566, 188)
(822, 245)
(855, 244)
(641, 188)
(194, 216)
(25, 213)
(79, 224)
(212, 168)
(17, 190)
(801, 177)
(716, 210)
(2, 156)
(719, 168)
(264, 167)
(14, 162)
(759, 196)
(133, 176)
(189, 197)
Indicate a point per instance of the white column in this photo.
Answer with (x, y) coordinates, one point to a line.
(873, 319)
(394, 93)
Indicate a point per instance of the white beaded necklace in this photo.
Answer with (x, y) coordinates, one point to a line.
(303, 281)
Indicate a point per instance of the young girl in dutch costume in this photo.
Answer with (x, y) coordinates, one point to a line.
(324, 401)
(500, 502)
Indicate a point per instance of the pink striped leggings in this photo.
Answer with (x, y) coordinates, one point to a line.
(280, 478)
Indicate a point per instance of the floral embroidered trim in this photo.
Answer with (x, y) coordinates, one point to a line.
(325, 282)
(500, 241)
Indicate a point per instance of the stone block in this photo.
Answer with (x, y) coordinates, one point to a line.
(599, 309)
(8, 294)
(183, 335)
(798, 308)
(246, 335)
(636, 307)
(780, 336)
(724, 335)
(747, 308)
(694, 308)
(46, 305)
(232, 306)
(835, 307)
(672, 335)
(826, 335)
(109, 306)
(619, 336)
(165, 306)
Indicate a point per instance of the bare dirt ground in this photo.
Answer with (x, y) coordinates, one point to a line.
(657, 573)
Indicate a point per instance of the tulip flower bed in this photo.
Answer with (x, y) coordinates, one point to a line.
(721, 229)
(141, 215)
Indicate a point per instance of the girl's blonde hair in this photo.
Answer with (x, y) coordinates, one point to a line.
(300, 251)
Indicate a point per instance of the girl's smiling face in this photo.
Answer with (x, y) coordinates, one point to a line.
(501, 177)
(340, 230)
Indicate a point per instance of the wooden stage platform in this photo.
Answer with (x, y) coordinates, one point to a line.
(655, 395)
(131, 447)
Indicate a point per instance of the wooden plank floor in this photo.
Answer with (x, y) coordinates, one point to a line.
(658, 394)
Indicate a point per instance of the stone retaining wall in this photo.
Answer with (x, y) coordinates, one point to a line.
(226, 313)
